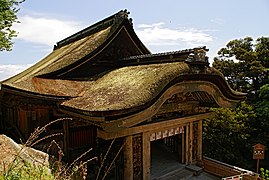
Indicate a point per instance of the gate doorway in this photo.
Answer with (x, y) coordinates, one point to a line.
(166, 156)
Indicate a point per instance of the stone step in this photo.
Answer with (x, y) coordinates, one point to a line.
(176, 175)
(195, 169)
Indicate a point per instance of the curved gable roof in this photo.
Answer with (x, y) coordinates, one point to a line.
(135, 88)
(133, 83)
(75, 48)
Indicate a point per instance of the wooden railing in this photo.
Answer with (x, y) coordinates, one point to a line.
(225, 170)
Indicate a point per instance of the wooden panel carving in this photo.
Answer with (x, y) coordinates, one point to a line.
(166, 133)
(137, 157)
(177, 103)
(187, 102)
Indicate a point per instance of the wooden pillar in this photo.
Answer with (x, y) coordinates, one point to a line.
(187, 149)
(146, 155)
(183, 148)
(66, 138)
(190, 142)
(200, 137)
(128, 158)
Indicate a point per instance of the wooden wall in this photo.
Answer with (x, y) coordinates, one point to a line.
(81, 137)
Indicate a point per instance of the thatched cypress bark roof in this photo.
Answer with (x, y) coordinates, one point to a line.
(105, 68)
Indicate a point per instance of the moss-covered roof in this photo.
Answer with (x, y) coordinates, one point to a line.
(59, 58)
(133, 81)
(72, 52)
(127, 87)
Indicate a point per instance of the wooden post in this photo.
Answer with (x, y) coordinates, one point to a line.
(146, 155)
(257, 166)
(128, 158)
(200, 140)
(190, 142)
(183, 147)
(66, 138)
(187, 149)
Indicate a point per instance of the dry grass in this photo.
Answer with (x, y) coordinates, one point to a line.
(24, 162)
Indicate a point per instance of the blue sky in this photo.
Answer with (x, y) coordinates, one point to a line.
(165, 25)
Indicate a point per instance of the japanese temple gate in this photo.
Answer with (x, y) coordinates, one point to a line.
(137, 142)
(114, 88)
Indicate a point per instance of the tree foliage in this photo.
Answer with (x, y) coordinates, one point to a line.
(245, 63)
(8, 16)
(262, 105)
(230, 135)
(226, 136)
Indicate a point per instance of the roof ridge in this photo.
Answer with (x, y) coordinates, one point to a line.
(114, 19)
(164, 53)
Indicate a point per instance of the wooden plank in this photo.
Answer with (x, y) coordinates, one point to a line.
(128, 158)
(153, 126)
(146, 155)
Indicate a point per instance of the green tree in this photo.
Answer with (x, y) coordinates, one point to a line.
(262, 106)
(261, 126)
(230, 135)
(244, 63)
(260, 129)
(8, 16)
(226, 137)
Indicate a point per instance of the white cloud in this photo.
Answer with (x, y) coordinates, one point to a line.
(218, 21)
(150, 25)
(44, 30)
(47, 31)
(9, 70)
(158, 35)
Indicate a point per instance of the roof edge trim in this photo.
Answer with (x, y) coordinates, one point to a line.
(114, 19)
(21, 92)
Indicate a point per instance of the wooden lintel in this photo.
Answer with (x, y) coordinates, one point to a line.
(153, 126)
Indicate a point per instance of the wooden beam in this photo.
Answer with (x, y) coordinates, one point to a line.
(146, 155)
(128, 158)
(152, 126)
